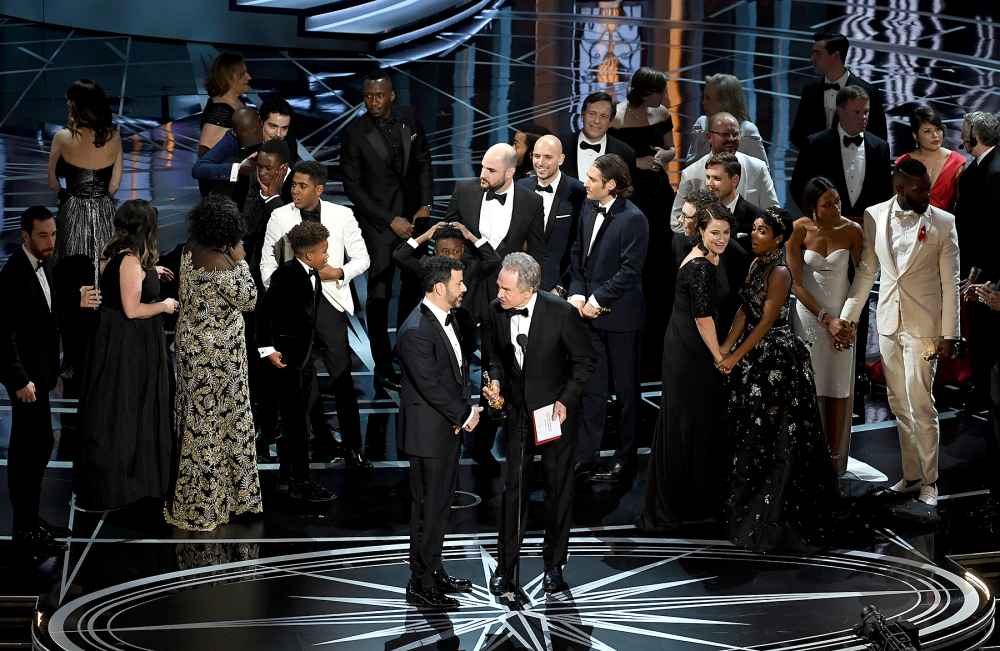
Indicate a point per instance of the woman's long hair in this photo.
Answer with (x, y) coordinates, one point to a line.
(89, 109)
(221, 73)
(137, 230)
(732, 99)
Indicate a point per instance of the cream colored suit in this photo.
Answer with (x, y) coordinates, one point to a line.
(918, 305)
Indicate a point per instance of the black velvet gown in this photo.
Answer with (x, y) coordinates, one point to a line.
(689, 463)
(126, 446)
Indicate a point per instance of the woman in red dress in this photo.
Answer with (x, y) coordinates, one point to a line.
(944, 165)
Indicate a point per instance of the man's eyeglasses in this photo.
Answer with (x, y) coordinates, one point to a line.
(730, 135)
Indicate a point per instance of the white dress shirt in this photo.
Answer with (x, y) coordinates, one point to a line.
(36, 264)
(494, 219)
(598, 221)
(830, 97)
(585, 157)
(902, 237)
(548, 198)
(266, 351)
(853, 159)
(521, 325)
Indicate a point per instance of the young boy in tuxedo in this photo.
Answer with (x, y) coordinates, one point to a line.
(286, 332)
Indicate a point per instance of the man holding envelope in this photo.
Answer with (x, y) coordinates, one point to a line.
(538, 352)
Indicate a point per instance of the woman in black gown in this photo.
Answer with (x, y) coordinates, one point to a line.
(126, 446)
(687, 467)
(784, 494)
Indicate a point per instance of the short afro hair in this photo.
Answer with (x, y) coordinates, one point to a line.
(306, 235)
(216, 222)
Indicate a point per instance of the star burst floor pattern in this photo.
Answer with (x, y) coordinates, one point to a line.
(626, 593)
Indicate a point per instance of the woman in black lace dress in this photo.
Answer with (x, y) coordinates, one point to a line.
(783, 493)
(687, 473)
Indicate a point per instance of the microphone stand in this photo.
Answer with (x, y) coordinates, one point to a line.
(518, 598)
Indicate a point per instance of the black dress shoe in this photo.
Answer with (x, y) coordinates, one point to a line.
(37, 543)
(446, 583)
(498, 584)
(309, 491)
(356, 459)
(388, 380)
(617, 471)
(53, 530)
(553, 581)
(429, 598)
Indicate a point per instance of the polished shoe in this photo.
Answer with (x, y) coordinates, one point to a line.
(554, 581)
(446, 583)
(429, 598)
(37, 543)
(53, 530)
(498, 584)
(617, 471)
(356, 460)
(928, 494)
(309, 491)
(906, 486)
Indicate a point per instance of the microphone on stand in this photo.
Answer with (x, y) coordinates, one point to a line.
(522, 341)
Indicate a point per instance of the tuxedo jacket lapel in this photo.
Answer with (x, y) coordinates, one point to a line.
(377, 142)
(443, 336)
(615, 207)
(407, 133)
(561, 195)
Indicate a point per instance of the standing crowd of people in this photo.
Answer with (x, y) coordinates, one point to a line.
(568, 265)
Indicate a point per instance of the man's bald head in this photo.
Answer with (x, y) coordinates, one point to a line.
(247, 126)
(546, 158)
(723, 133)
(499, 163)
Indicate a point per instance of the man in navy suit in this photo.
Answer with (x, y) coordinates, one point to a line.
(606, 288)
(562, 198)
(435, 409)
(229, 163)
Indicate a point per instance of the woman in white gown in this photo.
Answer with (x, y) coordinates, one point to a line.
(820, 251)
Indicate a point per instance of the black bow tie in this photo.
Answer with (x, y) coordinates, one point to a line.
(501, 198)
(543, 188)
(313, 273)
(517, 312)
(827, 86)
(600, 210)
(38, 265)
(587, 145)
(856, 140)
(310, 215)
(448, 320)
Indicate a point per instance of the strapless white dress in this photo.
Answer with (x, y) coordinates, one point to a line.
(826, 279)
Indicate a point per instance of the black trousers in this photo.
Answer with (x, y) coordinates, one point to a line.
(432, 491)
(332, 348)
(380, 282)
(557, 462)
(31, 443)
(77, 325)
(297, 391)
(995, 412)
(617, 356)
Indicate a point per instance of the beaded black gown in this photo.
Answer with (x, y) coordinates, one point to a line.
(686, 480)
(784, 494)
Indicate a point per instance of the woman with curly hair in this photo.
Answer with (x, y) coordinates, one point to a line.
(783, 489)
(126, 445)
(217, 475)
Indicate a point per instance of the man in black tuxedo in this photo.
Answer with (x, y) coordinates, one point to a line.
(538, 352)
(855, 160)
(286, 335)
(722, 176)
(562, 198)
(435, 408)
(387, 174)
(497, 210)
(606, 288)
(583, 147)
(978, 198)
(817, 109)
(276, 120)
(29, 369)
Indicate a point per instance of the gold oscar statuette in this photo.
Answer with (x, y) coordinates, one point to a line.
(495, 402)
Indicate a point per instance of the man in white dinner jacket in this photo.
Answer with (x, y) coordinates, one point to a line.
(755, 183)
(348, 258)
(916, 247)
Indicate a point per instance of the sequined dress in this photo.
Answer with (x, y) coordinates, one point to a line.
(217, 475)
(86, 211)
(783, 493)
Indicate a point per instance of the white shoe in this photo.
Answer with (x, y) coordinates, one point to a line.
(904, 486)
(929, 495)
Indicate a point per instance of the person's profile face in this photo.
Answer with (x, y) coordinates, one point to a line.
(821, 58)
(718, 181)
(520, 144)
(317, 256)
(508, 292)
(41, 241)
(241, 80)
(597, 188)
(828, 206)
(688, 211)
(454, 289)
(494, 174)
(305, 192)
(917, 193)
(762, 238)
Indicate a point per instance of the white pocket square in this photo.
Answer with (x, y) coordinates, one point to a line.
(562, 216)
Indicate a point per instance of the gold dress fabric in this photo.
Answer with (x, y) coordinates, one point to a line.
(217, 475)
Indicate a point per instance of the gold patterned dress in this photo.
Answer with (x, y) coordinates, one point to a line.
(217, 476)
